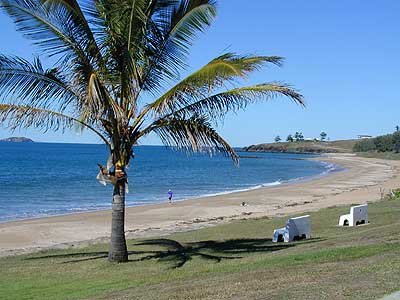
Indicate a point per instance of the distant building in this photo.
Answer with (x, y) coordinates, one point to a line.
(364, 136)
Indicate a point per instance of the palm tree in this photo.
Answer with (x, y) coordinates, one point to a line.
(114, 59)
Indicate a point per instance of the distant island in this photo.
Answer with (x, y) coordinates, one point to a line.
(16, 139)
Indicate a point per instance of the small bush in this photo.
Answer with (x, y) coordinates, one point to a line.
(393, 195)
(396, 141)
(384, 143)
(364, 146)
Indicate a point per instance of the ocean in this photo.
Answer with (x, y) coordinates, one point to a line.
(45, 179)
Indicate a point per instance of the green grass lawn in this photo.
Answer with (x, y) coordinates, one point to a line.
(232, 261)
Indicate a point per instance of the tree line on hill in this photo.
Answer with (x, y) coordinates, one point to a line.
(298, 137)
(383, 143)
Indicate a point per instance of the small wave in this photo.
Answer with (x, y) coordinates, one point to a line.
(330, 167)
(278, 182)
(255, 187)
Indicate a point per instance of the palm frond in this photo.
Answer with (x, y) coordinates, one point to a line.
(55, 27)
(216, 106)
(215, 74)
(124, 23)
(170, 34)
(145, 40)
(191, 17)
(51, 28)
(34, 85)
(20, 116)
(191, 134)
(80, 23)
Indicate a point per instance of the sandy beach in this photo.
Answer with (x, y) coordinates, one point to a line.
(361, 182)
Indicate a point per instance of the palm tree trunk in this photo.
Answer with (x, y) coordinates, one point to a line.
(118, 250)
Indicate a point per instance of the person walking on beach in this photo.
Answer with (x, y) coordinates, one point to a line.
(170, 194)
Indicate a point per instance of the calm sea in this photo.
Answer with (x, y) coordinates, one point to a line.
(42, 179)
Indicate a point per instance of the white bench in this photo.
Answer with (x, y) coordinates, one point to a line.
(358, 215)
(295, 229)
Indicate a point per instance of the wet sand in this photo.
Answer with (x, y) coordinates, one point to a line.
(362, 181)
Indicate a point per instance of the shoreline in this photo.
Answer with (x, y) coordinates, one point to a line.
(361, 182)
(330, 168)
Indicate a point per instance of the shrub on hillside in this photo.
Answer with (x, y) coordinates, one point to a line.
(384, 143)
(364, 145)
(396, 141)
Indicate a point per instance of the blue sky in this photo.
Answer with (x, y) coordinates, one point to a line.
(343, 55)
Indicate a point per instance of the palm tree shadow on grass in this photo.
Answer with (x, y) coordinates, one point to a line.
(180, 253)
